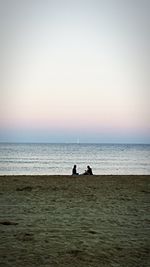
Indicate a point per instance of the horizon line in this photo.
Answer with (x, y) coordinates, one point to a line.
(80, 143)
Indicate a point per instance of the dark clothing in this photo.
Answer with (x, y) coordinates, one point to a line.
(74, 171)
(88, 171)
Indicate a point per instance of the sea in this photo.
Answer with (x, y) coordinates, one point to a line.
(58, 159)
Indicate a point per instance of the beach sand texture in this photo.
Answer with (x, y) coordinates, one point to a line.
(83, 221)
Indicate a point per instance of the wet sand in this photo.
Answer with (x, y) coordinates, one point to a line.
(66, 221)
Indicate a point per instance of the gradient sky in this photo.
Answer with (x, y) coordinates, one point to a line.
(75, 69)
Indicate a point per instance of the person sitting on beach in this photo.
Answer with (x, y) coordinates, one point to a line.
(74, 170)
(88, 171)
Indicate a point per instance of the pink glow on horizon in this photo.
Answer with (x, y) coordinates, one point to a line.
(77, 124)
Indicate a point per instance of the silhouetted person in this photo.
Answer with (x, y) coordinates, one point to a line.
(74, 170)
(88, 171)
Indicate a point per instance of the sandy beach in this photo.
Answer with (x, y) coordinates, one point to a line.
(66, 221)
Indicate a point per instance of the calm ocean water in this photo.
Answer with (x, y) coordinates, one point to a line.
(59, 158)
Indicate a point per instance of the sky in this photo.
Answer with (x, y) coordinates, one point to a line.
(75, 71)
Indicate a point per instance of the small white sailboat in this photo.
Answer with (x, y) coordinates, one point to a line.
(78, 141)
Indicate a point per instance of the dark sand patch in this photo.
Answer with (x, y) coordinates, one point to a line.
(8, 223)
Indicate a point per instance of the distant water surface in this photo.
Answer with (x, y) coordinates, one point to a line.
(59, 158)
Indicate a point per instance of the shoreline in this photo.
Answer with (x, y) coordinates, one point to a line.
(74, 176)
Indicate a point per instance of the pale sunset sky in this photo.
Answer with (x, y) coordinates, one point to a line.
(75, 70)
